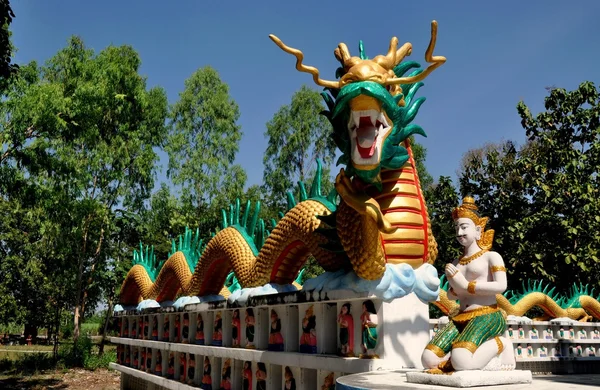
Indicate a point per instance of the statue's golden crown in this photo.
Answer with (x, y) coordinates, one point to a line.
(468, 209)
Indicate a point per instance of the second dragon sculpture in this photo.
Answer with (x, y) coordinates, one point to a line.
(381, 217)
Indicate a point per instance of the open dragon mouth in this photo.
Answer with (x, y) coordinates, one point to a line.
(367, 130)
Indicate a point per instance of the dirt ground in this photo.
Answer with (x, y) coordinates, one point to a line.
(75, 379)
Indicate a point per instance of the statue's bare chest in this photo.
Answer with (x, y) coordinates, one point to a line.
(476, 269)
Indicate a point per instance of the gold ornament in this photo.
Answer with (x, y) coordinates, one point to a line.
(498, 268)
(468, 209)
(466, 260)
(471, 288)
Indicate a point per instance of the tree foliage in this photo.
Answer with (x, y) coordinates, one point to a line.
(441, 198)
(298, 135)
(543, 197)
(79, 135)
(7, 69)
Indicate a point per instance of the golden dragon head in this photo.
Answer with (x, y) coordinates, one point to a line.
(371, 104)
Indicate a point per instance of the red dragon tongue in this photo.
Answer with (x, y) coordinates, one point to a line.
(366, 134)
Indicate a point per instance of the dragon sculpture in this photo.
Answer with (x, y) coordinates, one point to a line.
(381, 216)
(579, 305)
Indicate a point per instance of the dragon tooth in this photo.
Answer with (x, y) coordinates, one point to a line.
(374, 115)
(382, 119)
(356, 118)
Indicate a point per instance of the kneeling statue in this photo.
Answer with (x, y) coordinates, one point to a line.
(471, 339)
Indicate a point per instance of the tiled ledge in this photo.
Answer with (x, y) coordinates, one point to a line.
(160, 381)
(292, 359)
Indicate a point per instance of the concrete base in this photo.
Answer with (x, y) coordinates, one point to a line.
(521, 380)
(471, 378)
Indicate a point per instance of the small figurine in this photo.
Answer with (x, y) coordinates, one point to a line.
(533, 334)
(543, 352)
(290, 382)
(171, 367)
(511, 332)
(308, 340)
(226, 375)
(119, 354)
(275, 337)
(177, 337)
(235, 328)
(127, 356)
(571, 333)
(155, 328)
(578, 350)
(191, 370)
(158, 366)
(548, 333)
(529, 350)
(185, 330)
(125, 328)
(218, 331)
(143, 360)
(133, 328)
(328, 382)
(556, 351)
(166, 328)
(136, 361)
(590, 351)
(369, 323)
(521, 332)
(206, 375)
(519, 350)
(247, 376)
(140, 332)
(261, 376)
(596, 334)
(561, 332)
(346, 322)
(199, 330)
(148, 360)
(582, 334)
(182, 368)
(249, 321)
(146, 328)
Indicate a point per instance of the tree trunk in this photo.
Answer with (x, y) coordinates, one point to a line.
(90, 278)
(82, 291)
(106, 321)
(56, 333)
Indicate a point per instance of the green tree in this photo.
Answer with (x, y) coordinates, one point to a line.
(7, 69)
(83, 128)
(543, 197)
(441, 198)
(203, 141)
(298, 136)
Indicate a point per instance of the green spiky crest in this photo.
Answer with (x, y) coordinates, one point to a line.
(250, 226)
(315, 192)
(190, 244)
(232, 283)
(393, 154)
(147, 259)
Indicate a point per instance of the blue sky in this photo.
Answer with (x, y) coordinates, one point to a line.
(498, 53)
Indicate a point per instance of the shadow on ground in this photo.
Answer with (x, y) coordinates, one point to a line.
(30, 383)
